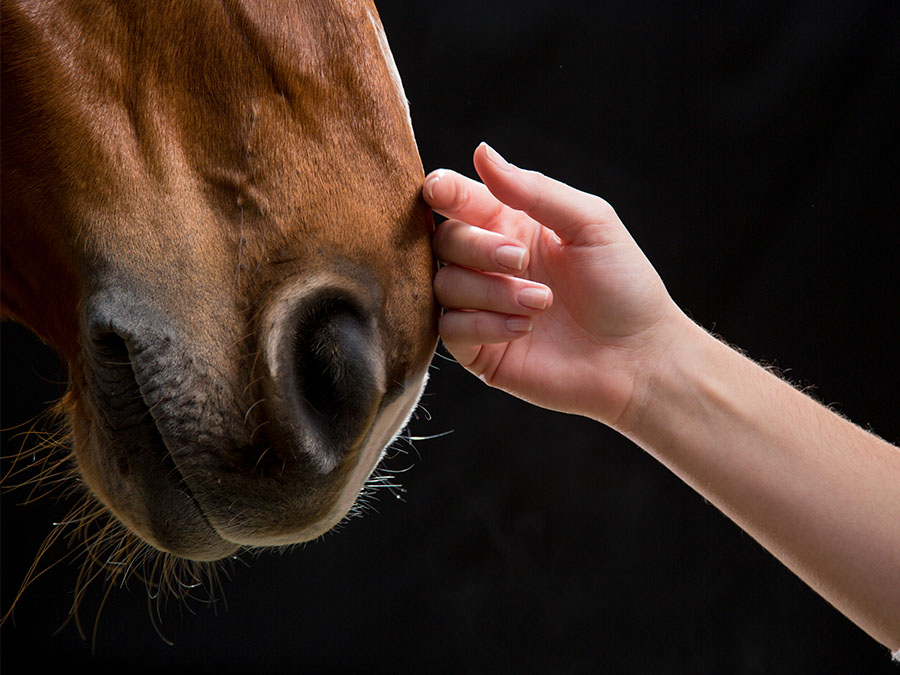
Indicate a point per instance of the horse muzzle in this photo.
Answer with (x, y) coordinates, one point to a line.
(266, 440)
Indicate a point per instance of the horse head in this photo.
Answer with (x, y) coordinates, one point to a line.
(212, 212)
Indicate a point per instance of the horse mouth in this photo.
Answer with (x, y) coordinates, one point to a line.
(133, 470)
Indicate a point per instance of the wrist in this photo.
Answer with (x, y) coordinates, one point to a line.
(663, 374)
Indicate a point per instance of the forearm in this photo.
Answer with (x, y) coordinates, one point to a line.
(818, 492)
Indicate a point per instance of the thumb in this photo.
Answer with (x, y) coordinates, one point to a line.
(562, 208)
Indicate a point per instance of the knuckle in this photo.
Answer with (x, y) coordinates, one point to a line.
(481, 325)
(602, 208)
(460, 195)
(446, 325)
(445, 236)
(535, 184)
(496, 215)
(437, 239)
(498, 293)
(440, 285)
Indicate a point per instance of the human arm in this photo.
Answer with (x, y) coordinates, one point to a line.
(818, 492)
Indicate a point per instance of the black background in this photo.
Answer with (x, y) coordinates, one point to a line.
(752, 151)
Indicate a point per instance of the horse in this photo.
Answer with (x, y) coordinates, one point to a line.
(211, 211)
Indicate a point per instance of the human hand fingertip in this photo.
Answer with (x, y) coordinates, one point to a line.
(439, 189)
(535, 297)
(430, 181)
(511, 256)
(467, 328)
(494, 157)
(519, 324)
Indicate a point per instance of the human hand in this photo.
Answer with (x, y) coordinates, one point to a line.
(548, 297)
(546, 294)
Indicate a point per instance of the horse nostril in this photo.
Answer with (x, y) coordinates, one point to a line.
(330, 353)
(337, 376)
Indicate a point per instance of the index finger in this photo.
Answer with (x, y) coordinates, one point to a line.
(456, 197)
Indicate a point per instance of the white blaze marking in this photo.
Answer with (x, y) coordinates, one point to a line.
(391, 64)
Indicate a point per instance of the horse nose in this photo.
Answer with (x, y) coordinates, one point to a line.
(327, 372)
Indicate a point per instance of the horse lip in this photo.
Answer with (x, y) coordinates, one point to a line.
(168, 515)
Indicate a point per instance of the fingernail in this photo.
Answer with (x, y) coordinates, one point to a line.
(431, 181)
(494, 157)
(509, 256)
(534, 298)
(518, 324)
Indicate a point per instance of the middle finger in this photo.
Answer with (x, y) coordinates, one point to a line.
(463, 244)
(460, 288)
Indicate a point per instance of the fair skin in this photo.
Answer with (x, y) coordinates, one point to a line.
(548, 297)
